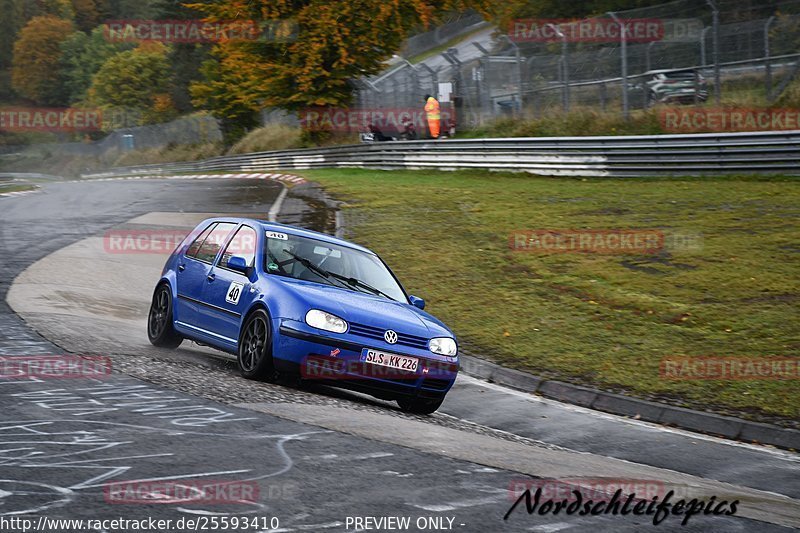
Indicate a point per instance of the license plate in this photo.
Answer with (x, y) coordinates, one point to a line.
(391, 360)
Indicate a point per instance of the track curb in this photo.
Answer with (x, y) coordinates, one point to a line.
(699, 421)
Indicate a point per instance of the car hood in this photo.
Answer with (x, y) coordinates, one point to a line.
(370, 310)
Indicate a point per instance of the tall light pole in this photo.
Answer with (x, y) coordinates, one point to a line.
(703, 46)
(715, 26)
(624, 51)
(767, 65)
(517, 55)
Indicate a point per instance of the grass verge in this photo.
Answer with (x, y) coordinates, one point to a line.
(600, 320)
(15, 188)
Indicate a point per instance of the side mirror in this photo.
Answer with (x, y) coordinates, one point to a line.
(416, 301)
(238, 263)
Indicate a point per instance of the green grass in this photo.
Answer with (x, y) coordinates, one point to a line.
(600, 320)
(15, 188)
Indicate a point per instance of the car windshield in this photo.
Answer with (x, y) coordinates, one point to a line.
(323, 262)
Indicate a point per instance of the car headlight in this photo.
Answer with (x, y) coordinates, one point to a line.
(443, 346)
(322, 320)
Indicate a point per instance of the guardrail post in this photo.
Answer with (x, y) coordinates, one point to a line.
(703, 46)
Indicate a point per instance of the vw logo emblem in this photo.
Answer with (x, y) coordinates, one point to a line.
(390, 336)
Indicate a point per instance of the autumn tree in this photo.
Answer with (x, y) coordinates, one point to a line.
(57, 8)
(82, 56)
(134, 9)
(35, 72)
(10, 23)
(89, 13)
(335, 42)
(136, 81)
(185, 58)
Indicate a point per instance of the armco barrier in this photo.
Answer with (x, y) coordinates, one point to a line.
(615, 156)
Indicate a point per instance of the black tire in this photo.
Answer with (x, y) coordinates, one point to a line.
(419, 406)
(160, 329)
(255, 348)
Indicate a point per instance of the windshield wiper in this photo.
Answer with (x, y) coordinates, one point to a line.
(358, 283)
(352, 282)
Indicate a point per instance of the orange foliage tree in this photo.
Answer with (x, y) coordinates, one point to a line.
(35, 68)
(333, 43)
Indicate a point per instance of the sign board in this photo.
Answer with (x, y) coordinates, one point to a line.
(445, 90)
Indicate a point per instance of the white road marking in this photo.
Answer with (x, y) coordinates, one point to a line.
(550, 528)
(272, 215)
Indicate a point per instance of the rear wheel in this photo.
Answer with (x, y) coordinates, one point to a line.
(419, 406)
(160, 329)
(255, 348)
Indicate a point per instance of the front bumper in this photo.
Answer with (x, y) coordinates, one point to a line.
(336, 359)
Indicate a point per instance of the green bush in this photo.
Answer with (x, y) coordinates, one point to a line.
(270, 137)
(583, 121)
(169, 154)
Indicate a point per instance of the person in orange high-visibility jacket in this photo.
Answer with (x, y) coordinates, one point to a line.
(434, 115)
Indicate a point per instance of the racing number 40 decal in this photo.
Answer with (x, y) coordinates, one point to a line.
(234, 293)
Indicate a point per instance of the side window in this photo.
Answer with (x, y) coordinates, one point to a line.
(243, 244)
(192, 250)
(208, 250)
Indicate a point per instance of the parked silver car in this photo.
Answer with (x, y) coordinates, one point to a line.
(671, 86)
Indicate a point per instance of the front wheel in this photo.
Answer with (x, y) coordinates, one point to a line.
(255, 348)
(160, 330)
(419, 406)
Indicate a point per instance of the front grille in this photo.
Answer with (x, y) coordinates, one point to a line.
(403, 339)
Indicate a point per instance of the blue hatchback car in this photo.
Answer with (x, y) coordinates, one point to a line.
(290, 300)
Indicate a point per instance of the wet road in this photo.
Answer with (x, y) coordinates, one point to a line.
(316, 457)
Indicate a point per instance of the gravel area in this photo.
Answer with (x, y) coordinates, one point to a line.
(220, 382)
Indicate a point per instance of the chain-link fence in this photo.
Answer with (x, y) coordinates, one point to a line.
(724, 52)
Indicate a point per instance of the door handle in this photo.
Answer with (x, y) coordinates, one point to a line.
(211, 277)
(181, 267)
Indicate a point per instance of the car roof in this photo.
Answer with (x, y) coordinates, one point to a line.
(292, 230)
(670, 71)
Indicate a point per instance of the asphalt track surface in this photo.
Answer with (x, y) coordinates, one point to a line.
(315, 456)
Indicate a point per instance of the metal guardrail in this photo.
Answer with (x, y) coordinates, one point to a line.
(618, 156)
